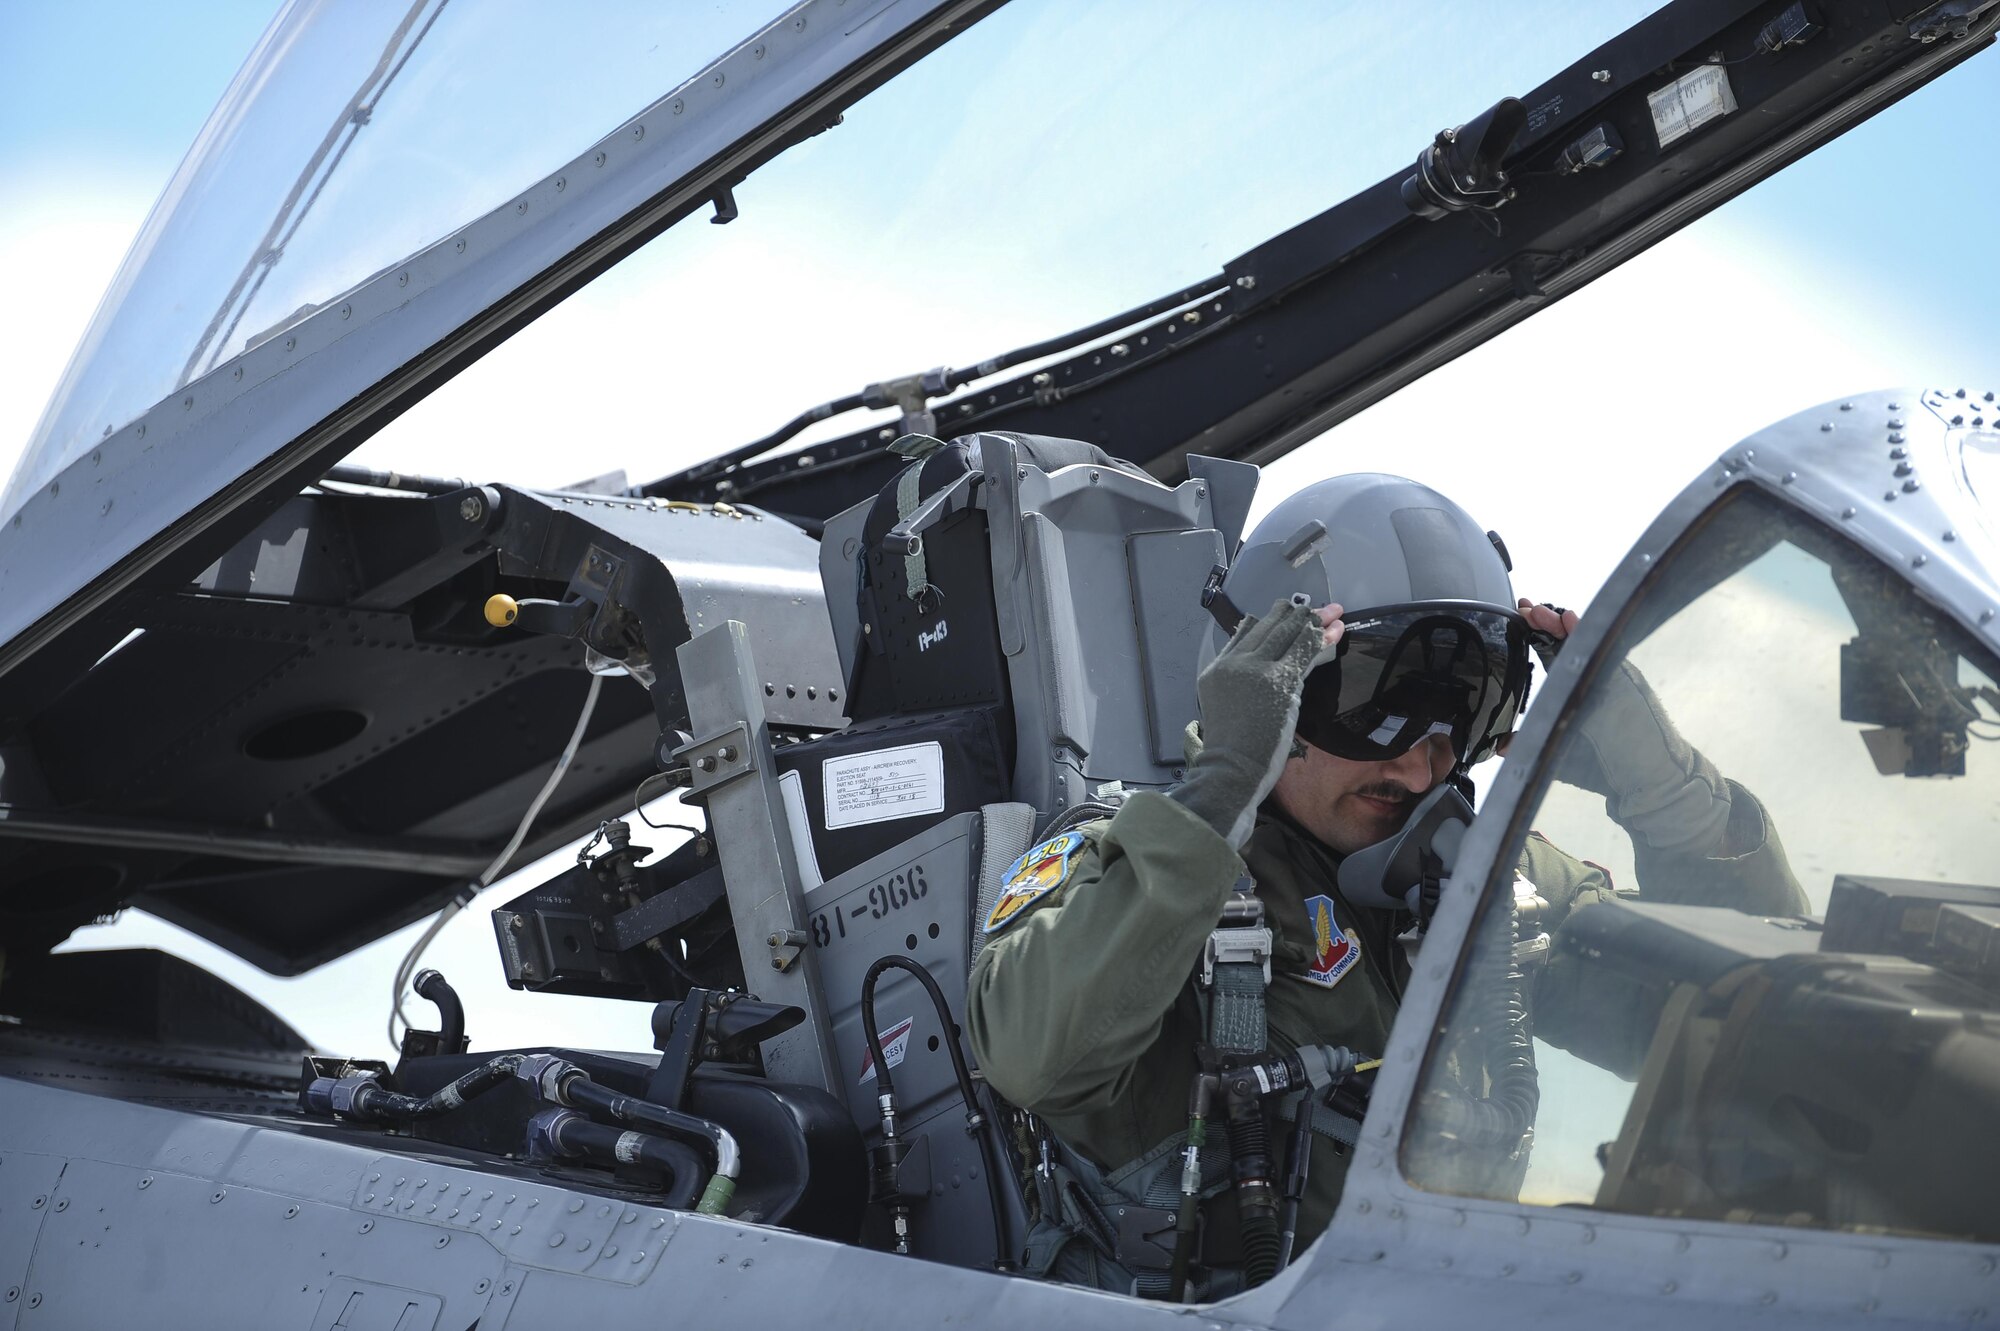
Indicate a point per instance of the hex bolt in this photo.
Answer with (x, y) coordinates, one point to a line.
(727, 753)
(471, 508)
(706, 762)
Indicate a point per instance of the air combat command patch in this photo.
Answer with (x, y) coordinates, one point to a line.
(1036, 874)
(1335, 950)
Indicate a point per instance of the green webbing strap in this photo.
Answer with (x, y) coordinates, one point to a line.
(1240, 953)
(908, 495)
(1236, 1009)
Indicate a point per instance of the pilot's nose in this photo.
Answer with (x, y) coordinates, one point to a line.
(1422, 765)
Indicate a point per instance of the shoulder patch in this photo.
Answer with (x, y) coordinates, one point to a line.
(1041, 871)
(1334, 950)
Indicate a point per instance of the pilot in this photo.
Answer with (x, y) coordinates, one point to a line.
(1320, 731)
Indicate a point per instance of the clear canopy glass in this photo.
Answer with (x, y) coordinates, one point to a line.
(1784, 1014)
(358, 132)
(1057, 162)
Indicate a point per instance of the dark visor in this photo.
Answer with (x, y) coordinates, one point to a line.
(1401, 673)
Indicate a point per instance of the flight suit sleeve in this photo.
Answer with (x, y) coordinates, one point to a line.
(1750, 874)
(1068, 995)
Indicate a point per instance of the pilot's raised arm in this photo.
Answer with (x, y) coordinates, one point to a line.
(1698, 838)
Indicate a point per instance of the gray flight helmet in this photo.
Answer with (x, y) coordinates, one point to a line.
(1378, 543)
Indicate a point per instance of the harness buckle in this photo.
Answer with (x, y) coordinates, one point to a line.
(1243, 945)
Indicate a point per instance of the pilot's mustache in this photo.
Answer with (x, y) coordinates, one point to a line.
(1387, 790)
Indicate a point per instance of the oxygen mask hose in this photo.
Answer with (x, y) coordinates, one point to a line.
(1256, 1199)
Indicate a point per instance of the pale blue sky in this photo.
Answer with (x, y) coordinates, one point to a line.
(1111, 151)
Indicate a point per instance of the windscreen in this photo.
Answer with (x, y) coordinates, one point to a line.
(1744, 962)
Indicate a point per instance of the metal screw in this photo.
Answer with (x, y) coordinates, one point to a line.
(471, 508)
(1600, 76)
(706, 762)
(727, 753)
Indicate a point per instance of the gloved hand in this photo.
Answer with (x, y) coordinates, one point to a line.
(1655, 784)
(1249, 705)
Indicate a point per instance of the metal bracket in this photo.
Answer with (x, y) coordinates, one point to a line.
(787, 946)
(716, 759)
(1234, 946)
(753, 837)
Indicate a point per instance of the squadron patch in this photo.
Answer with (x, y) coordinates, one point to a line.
(1036, 874)
(1335, 950)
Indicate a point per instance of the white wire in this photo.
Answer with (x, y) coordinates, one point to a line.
(492, 871)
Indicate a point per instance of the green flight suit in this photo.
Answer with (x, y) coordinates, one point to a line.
(1083, 1007)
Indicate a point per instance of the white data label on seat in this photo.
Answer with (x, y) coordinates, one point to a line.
(889, 783)
(1691, 101)
(793, 791)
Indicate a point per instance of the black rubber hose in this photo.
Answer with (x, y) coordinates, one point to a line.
(584, 1093)
(451, 1012)
(379, 1102)
(614, 1146)
(1250, 1156)
(977, 1124)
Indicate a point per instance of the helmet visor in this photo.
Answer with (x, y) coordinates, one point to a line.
(1402, 673)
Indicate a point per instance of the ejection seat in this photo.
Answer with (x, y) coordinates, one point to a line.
(1019, 622)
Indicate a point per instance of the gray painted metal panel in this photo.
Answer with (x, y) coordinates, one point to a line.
(858, 916)
(747, 818)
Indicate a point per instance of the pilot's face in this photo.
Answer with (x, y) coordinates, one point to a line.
(1350, 805)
